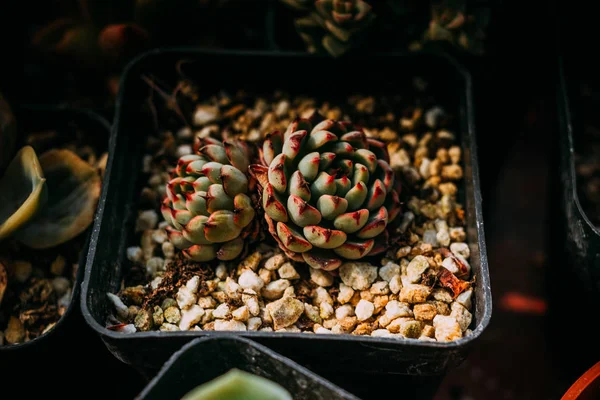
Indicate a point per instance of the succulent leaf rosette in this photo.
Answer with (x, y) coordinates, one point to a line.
(327, 191)
(207, 202)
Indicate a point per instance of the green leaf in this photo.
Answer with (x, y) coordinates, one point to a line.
(22, 191)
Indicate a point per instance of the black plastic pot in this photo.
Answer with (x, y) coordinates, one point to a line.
(292, 72)
(205, 359)
(38, 118)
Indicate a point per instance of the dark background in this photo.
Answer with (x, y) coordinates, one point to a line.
(540, 337)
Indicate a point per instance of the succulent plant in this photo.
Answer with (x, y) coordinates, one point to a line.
(239, 385)
(207, 204)
(328, 191)
(334, 25)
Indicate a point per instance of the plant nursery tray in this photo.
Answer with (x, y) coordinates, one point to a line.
(233, 70)
(39, 118)
(204, 359)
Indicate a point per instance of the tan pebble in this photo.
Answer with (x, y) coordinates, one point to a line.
(380, 302)
(414, 293)
(330, 323)
(428, 331)
(366, 295)
(425, 311)
(395, 284)
(446, 328)
(345, 294)
(265, 275)
(285, 311)
(347, 323)
(275, 262)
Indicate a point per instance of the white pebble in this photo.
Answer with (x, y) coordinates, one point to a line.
(154, 265)
(229, 325)
(395, 309)
(159, 236)
(364, 310)
(460, 249)
(320, 277)
(388, 271)
(129, 328)
(207, 302)
(185, 298)
(222, 311)
(379, 288)
(250, 280)
(462, 315)
(221, 271)
(251, 301)
(465, 298)
(241, 314)
(289, 292)
(450, 265)
(134, 254)
(232, 289)
(287, 271)
(183, 150)
(344, 311)
(358, 275)
(168, 250)
(120, 307)
(416, 267)
(275, 262)
(424, 168)
(322, 330)
(205, 114)
(381, 333)
(254, 323)
(146, 220)
(190, 317)
(396, 284)
(443, 238)
(345, 294)
(432, 116)
(274, 290)
(322, 295)
(155, 282)
(430, 236)
(446, 328)
(325, 310)
(193, 283)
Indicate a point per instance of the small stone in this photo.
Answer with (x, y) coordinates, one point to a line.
(183, 150)
(460, 249)
(414, 293)
(58, 266)
(443, 238)
(450, 265)
(207, 302)
(153, 265)
(416, 267)
(208, 316)
(292, 329)
(143, 321)
(364, 328)
(190, 317)
(379, 288)
(160, 236)
(347, 324)
(356, 297)
(154, 283)
(312, 313)
(221, 271)
(265, 316)
(430, 237)
(322, 295)
(366, 295)
(395, 309)
(168, 302)
(274, 290)
(396, 284)
(446, 328)
(345, 294)
(330, 323)
(134, 294)
(250, 280)
(157, 316)
(133, 311)
(15, 332)
(287, 271)
(420, 249)
(344, 311)
(440, 307)
(135, 254)
(251, 262)
(322, 330)
(205, 114)
(146, 220)
(210, 326)
(364, 310)
(289, 292)
(22, 270)
(403, 252)
(285, 311)
(337, 329)
(457, 234)
(120, 307)
(232, 289)
(273, 263)
(433, 116)
(380, 302)
(185, 298)
(250, 299)
(61, 285)
(410, 329)
(425, 312)
(454, 153)
(320, 277)
(265, 275)
(172, 315)
(241, 314)
(381, 333)
(442, 295)
(254, 323)
(388, 271)
(358, 275)
(428, 331)
(424, 168)
(231, 325)
(222, 311)
(325, 310)
(168, 250)
(462, 315)
(167, 327)
(465, 298)
(266, 329)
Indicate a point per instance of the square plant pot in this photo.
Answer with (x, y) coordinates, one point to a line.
(205, 359)
(220, 70)
(42, 118)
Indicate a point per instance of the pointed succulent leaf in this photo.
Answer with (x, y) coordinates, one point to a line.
(324, 184)
(230, 250)
(361, 174)
(277, 173)
(196, 203)
(331, 206)
(367, 158)
(381, 244)
(193, 232)
(243, 210)
(379, 148)
(386, 174)
(299, 187)
(300, 124)
(322, 259)
(293, 145)
(182, 168)
(352, 221)
(166, 211)
(182, 217)
(343, 149)
(376, 195)
(212, 170)
(260, 173)
(356, 196)
(217, 199)
(375, 225)
(357, 139)
(318, 139)
(343, 185)
(237, 156)
(191, 168)
(309, 166)
(272, 205)
(302, 213)
(200, 252)
(392, 203)
(22, 191)
(355, 250)
(326, 160)
(73, 192)
(221, 227)
(324, 238)
(346, 167)
(234, 181)
(201, 184)
(215, 153)
(272, 146)
(176, 237)
(324, 125)
(292, 239)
